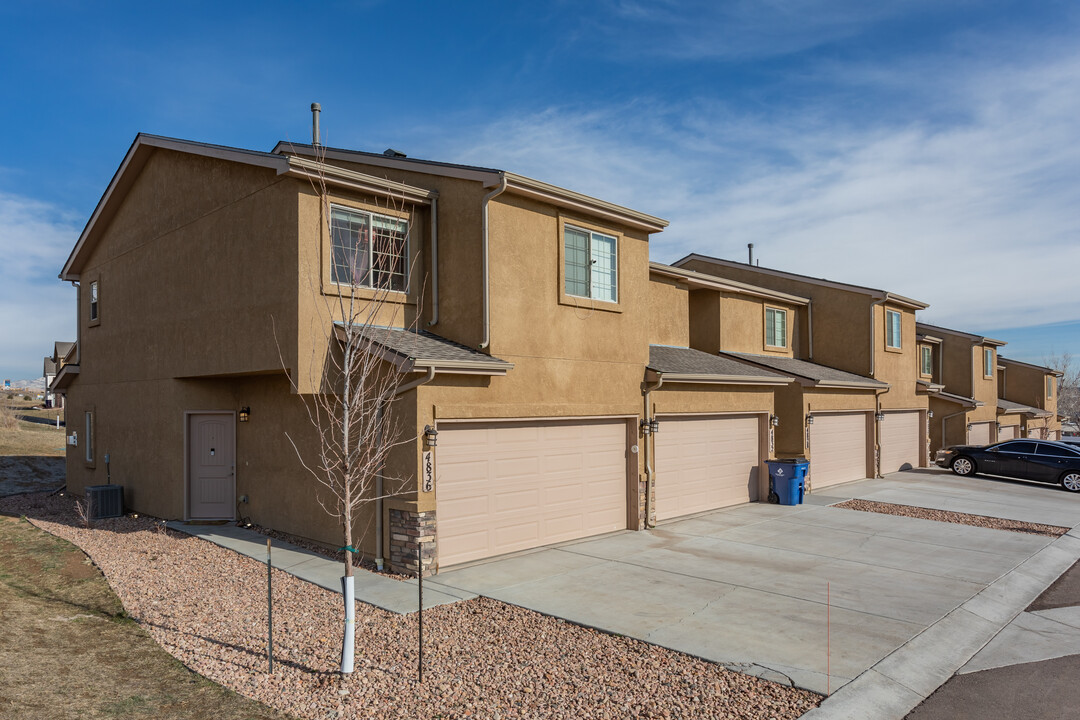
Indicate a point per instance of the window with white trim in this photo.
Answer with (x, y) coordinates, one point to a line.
(892, 329)
(591, 264)
(988, 362)
(927, 359)
(93, 301)
(368, 250)
(776, 327)
(1049, 387)
(88, 440)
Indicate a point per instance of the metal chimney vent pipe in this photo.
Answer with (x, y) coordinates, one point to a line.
(750, 247)
(316, 108)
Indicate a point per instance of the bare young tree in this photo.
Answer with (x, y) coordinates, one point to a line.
(350, 412)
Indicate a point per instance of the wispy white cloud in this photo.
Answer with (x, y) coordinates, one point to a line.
(972, 210)
(36, 309)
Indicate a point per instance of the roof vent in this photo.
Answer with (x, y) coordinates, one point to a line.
(391, 152)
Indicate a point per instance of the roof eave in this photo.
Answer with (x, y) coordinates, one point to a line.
(707, 379)
(840, 384)
(698, 280)
(562, 197)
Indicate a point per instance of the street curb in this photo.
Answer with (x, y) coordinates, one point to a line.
(897, 683)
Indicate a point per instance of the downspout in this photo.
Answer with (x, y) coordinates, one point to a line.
(484, 241)
(877, 431)
(434, 262)
(645, 448)
(379, 476)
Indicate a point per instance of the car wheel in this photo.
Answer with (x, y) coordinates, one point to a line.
(963, 466)
(1071, 481)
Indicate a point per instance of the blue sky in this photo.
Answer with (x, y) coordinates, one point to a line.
(928, 147)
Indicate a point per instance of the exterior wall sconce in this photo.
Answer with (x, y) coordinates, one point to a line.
(997, 426)
(431, 435)
(879, 416)
(649, 427)
(774, 420)
(654, 426)
(929, 413)
(969, 427)
(809, 419)
(245, 414)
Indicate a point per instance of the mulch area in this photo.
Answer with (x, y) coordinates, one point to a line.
(954, 517)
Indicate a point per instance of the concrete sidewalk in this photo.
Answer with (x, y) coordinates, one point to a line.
(399, 596)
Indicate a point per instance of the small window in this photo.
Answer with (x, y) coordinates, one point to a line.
(892, 329)
(927, 360)
(368, 250)
(776, 327)
(88, 437)
(988, 362)
(93, 301)
(591, 264)
(1049, 388)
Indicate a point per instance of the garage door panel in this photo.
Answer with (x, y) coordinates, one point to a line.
(705, 463)
(542, 483)
(900, 441)
(837, 448)
(979, 434)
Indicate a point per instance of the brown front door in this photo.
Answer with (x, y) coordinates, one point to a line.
(211, 456)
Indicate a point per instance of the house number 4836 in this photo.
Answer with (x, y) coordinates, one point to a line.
(429, 472)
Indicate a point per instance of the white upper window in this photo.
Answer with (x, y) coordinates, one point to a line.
(892, 329)
(1049, 387)
(94, 300)
(927, 367)
(591, 264)
(368, 250)
(776, 327)
(988, 362)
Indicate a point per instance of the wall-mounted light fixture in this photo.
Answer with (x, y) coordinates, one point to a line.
(245, 414)
(879, 416)
(969, 427)
(648, 427)
(774, 420)
(654, 426)
(809, 419)
(431, 435)
(997, 426)
(929, 413)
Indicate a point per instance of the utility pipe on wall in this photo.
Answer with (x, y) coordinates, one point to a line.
(379, 560)
(434, 262)
(944, 442)
(484, 242)
(645, 441)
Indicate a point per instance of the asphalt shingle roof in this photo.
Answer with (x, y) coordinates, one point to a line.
(686, 361)
(808, 370)
(1010, 406)
(427, 346)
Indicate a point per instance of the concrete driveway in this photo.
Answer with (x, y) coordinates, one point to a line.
(812, 594)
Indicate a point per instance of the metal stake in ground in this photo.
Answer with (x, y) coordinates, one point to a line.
(269, 609)
(420, 607)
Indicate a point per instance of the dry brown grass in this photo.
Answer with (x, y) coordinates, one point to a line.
(68, 650)
(8, 421)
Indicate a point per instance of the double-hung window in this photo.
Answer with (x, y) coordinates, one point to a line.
(93, 301)
(892, 329)
(1049, 387)
(775, 328)
(368, 250)
(988, 363)
(927, 360)
(591, 264)
(88, 439)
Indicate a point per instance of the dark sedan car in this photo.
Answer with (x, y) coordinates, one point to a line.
(1039, 460)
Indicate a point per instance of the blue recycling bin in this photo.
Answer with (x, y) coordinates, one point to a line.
(787, 480)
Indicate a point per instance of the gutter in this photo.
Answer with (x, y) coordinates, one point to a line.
(645, 440)
(379, 560)
(724, 379)
(485, 247)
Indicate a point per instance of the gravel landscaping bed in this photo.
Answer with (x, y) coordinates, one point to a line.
(207, 607)
(954, 517)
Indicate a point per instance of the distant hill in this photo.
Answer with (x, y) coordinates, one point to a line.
(35, 385)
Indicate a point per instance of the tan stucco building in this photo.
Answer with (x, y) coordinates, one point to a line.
(855, 408)
(1027, 400)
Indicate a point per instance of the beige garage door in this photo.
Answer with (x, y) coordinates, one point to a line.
(837, 449)
(900, 446)
(979, 434)
(503, 486)
(705, 463)
(1008, 432)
